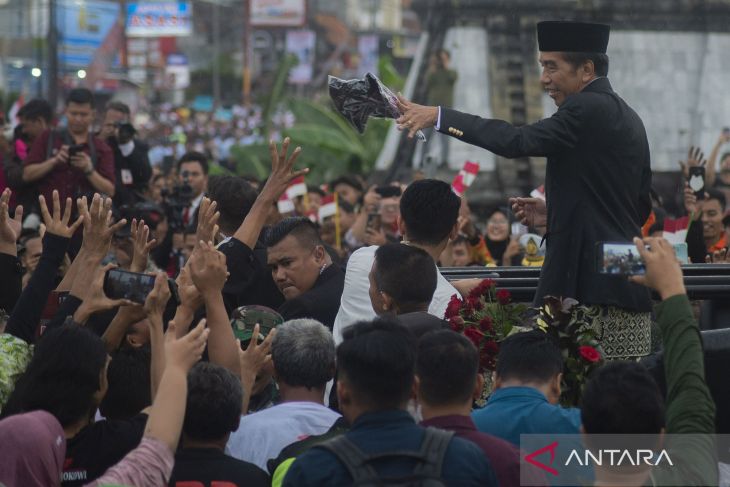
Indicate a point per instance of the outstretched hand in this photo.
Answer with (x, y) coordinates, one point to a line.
(256, 355)
(98, 227)
(663, 272)
(282, 169)
(531, 212)
(695, 158)
(142, 247)
(415, 117)
(207, 221)
(208, 269)
(10, 228)
(57, 224)
(182, 353)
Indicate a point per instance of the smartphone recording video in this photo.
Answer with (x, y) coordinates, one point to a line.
(120, 284)
(374, 221)
(620, 259)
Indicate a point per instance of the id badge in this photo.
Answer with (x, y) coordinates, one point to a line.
(127, 178)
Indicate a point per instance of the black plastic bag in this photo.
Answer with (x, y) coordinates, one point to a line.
(358, 99)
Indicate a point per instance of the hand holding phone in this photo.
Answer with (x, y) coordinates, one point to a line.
(619, 259)
(374, 222)
(697, 181)
(121, 284)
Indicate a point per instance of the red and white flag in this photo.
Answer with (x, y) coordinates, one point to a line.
(675, 231)
(465, 177)
(285, 205)
(328, 207)
(297, 188)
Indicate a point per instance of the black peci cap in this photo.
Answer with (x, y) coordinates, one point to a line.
(563, 36)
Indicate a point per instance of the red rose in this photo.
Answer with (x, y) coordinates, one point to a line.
(453, 308)
(488, 355)
(486, 325)
(474, 304)
(589, 353)
(482, 288)
(474, 335)
(503, 296)
(456, 323)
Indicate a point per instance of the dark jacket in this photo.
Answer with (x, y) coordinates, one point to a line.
(597, 185)
(137, 166)
(250, 280)
(321, 302)
(386, 431)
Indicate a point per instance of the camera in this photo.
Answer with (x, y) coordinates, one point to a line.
(176, 200)
(125, 132)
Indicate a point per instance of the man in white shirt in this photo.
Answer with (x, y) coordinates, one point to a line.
(303, 356)
(428, 213)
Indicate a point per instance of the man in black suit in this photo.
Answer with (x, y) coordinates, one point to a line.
(304, 272)
(598, 176)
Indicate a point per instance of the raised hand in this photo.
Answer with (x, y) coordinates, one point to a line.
(207, 219)
(718, 257)
(154, 305)
(256, 355)
(140, 234)
(182, 353)
(282, 169)
(663, 272)
(415, 117)
(208, 269)
(692, 204)
(57, 224)
(98, 227)
(91, 293)
(10, 228)
(695, 158)
(531, 212)
(190, 296)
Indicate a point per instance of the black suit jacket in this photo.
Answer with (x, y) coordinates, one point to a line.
(421, 322)
(597, 185)
(321, 302)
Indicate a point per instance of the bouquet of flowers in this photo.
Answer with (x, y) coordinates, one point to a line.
(486, 317)
(569, 324)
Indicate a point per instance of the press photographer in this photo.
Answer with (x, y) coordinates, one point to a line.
(131, 163)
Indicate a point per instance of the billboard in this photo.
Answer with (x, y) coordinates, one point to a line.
(83, 27)
(159, 19)
(301, 43)
(278, 13)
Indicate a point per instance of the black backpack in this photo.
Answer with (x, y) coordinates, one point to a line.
(427, 472)
(66, 139)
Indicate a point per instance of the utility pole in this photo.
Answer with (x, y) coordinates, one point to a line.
(216, 55)
(52, 54)
(246, 53)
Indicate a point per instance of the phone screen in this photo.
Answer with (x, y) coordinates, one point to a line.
(697, 181)
(120, 284)
(621, 259)
(374, 221)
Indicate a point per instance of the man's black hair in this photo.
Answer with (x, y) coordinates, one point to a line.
(299, 227)
(35, 109)
(622, 398)
(716, 194)
(600, 61)
(350, 181)
(234, 197)
(377, 359)
(531, 356)
(129, 383)
(213, 407)
(62, 375)
(194, 156)
(316, 190)
(120, 107)
(447, 364)
(459, 240)
(429, 209)
(406, 273)
(80, 96)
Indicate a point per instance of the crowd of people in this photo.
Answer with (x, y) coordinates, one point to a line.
(299, 344)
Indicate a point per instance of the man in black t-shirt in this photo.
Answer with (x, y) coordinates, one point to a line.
(213, 411)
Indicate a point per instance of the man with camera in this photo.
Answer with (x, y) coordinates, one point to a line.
(131, 164)
(71, 160)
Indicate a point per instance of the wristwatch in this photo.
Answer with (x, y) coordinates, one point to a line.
(87, 173)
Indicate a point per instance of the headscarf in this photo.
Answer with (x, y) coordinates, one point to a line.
(32, 449)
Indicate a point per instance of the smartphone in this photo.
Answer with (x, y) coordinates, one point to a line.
(697, 181)
(76, 149)
(619, 258)
(174, 294)
(374, 221)
(121, 284)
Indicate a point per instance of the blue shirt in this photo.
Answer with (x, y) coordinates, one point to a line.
(512, 411)
(464, 463)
